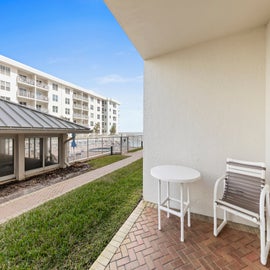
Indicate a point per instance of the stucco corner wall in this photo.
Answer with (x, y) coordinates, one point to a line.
(202, 105)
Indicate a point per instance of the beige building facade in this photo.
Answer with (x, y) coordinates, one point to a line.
(35, 89)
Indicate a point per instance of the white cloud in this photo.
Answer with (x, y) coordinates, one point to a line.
(115, 78)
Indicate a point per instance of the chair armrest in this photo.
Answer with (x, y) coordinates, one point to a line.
(264, 196)
(217, 185)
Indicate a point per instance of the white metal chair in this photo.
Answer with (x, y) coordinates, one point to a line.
(246, 195)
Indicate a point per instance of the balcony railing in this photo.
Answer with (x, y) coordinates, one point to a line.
(76, 96)
(77, 106)
(31, 95)
(42, 98)
(80, 116)
(80, 97)
(25, 94)
(42, 85)
(25, 80)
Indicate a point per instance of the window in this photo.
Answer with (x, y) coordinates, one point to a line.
(92, 99)
(54, 97)
(55, 109)
(67, 100)
(98, 101)
(23, 103)
(91, 123)
(55, 86)
(67, 90)
(114, 111)
(67, 111)
(33, 153)
(38, 107)
(92, 115)
(114, 105)
(6, 156)
(4, 70)
(114, 118)
(51, 155)
(98, 116)
(5, 85)
(98, 109)
(91, 107)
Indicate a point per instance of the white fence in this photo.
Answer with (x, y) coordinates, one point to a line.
(92, 147)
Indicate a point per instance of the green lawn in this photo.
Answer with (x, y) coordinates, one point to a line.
(104, 160)
(71, 231)
(135, 150)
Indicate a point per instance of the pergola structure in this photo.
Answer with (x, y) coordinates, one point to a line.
(32, 142)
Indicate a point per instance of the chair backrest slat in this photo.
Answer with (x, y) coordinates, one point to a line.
(243, 183)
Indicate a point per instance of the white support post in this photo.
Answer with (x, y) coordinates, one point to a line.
(20, 157)
(63, 150)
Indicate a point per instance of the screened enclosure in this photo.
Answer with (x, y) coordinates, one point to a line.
(6, 156)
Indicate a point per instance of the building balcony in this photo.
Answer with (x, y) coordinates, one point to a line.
(25, 81)
(85, 108)
(42, 86)
(25, 94)
(80, 116)
(77, 106)
(77, 116)
(80, 97)
(42, 98)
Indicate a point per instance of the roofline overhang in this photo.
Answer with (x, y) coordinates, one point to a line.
(42, 131)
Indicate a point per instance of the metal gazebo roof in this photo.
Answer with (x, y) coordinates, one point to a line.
(15, 118)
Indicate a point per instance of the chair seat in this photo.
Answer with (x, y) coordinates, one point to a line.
(239, 208)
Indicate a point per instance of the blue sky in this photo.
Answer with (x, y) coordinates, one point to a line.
(78, 41)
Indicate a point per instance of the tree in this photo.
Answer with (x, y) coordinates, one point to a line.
(113, 129)
(97, 128)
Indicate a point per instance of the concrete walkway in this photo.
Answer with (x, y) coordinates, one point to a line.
(27, 202)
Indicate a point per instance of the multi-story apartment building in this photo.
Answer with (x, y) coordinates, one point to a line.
(33, 88)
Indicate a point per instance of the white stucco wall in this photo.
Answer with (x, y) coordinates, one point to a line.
(267, 101)
(202, 105)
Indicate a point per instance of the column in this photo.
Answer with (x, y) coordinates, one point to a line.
(20, 157)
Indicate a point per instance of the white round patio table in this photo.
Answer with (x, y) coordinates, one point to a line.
(182, 176)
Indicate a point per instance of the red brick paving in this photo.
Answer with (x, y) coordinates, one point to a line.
(145, 247)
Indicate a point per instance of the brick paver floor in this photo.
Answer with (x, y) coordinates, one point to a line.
(145, 247)
(25, 203)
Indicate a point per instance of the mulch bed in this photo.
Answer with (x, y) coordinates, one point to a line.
(15, 189)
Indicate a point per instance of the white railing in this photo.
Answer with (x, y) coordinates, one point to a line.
(42, 85)
(26, 94)
(76, 106)
(41, 97)
(26, 80)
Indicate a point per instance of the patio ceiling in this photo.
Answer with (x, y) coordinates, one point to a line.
(157, 27)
